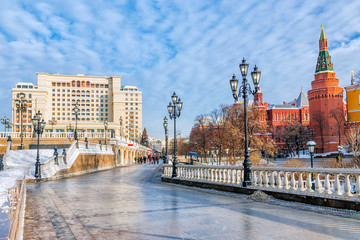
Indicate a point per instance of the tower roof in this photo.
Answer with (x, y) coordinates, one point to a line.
(322, 34)
(302, 100)
(324, 63)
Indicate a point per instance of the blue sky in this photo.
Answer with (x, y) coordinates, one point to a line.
(192, 47)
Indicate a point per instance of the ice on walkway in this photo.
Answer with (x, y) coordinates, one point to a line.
(8, 179)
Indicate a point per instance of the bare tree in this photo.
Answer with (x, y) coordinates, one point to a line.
(218, 128)
(319, 118)
(199, 136)
(339, 116)
(353, 143)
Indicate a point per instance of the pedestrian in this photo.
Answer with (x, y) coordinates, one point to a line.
(157, 159)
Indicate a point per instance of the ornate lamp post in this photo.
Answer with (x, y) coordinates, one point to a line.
(227, 155)
(52, 122)
(121, 122)
(340, 149)
(21, 105)
(6, 122)
(76, 110)
(105, 126)
(174, 110)
(165, 124)
(244, 90)
(311, 146)
(39, 126)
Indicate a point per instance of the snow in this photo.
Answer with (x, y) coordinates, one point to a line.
(20, 158)
(8, 179)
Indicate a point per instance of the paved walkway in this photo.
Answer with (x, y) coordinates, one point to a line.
(131, 203)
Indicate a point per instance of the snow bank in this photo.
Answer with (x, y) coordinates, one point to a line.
(18, 158)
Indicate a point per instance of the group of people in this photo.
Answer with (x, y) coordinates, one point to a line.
(147, 160)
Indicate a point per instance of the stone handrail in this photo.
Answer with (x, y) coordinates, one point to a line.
(50, 168)
(330, 182)
(17, 209)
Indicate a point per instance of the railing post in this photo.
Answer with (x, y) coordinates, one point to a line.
(293, 182)
(56, 156)
(337, 185)
(272, 179)
(309, 183)
(347, 186)
(279, 184)
(318, 186)
(327, 184)
(64, 156)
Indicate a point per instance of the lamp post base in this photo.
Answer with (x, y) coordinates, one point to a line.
(37, 169)
(174, 169)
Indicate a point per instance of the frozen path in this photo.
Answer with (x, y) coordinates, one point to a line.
(132, 203)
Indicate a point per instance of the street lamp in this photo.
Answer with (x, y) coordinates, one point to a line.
(311, 146)
(217, 155)
(39, 126)
(105, 126)
(52, 122)
(227, 155)
(21, 105)
(340, 149)
(165, 124)
(6, 122)
(174, 110)
(244, 90)
(121, 122)
(76, 110)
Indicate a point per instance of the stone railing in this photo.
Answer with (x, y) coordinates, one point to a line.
(330, 182)
(17, 209)
(52, 166)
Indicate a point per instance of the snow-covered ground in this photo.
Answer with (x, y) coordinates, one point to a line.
(20, 158)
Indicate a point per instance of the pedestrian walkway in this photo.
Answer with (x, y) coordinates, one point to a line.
(132, 203)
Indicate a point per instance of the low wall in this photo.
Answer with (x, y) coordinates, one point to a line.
(314, 200)
(87, 163)
(17, 208)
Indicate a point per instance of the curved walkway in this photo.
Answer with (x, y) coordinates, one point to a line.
(132, 203)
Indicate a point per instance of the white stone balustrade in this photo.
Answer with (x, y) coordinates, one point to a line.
(330, 182)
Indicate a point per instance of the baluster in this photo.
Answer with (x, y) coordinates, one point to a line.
(286, 181)
(218, 174)
(309, 183)
(224, 175)
(357, 186)
(198, 173)
(279, 183)
(229, 174)
(237, 174)
(347, 186)
(260, 181)
(212, 174)
(272, 179)
(337, 185)
(300, 182)
(318, 187)
(233, 172)
(327, 183)
(266, 179)
(293, 181)
(254, 178)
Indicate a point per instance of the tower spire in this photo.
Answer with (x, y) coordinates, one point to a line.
(352, 78)
(324, 63)
(322, 34)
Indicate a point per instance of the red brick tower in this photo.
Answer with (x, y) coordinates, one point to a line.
(324, 96)
(261, 107)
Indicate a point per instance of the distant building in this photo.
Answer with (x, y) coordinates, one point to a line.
(324, 97)
(353, 103)
(99, 98)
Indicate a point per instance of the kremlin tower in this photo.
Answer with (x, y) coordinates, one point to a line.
(325, 96)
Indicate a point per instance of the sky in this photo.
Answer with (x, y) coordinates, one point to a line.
(191, 47)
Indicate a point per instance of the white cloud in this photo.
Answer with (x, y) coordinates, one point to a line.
(192, 47)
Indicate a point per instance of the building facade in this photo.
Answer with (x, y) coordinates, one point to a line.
(353, 103)
(100, 99)
(325, 97)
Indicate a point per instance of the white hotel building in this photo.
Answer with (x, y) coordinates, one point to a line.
(99, 98)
